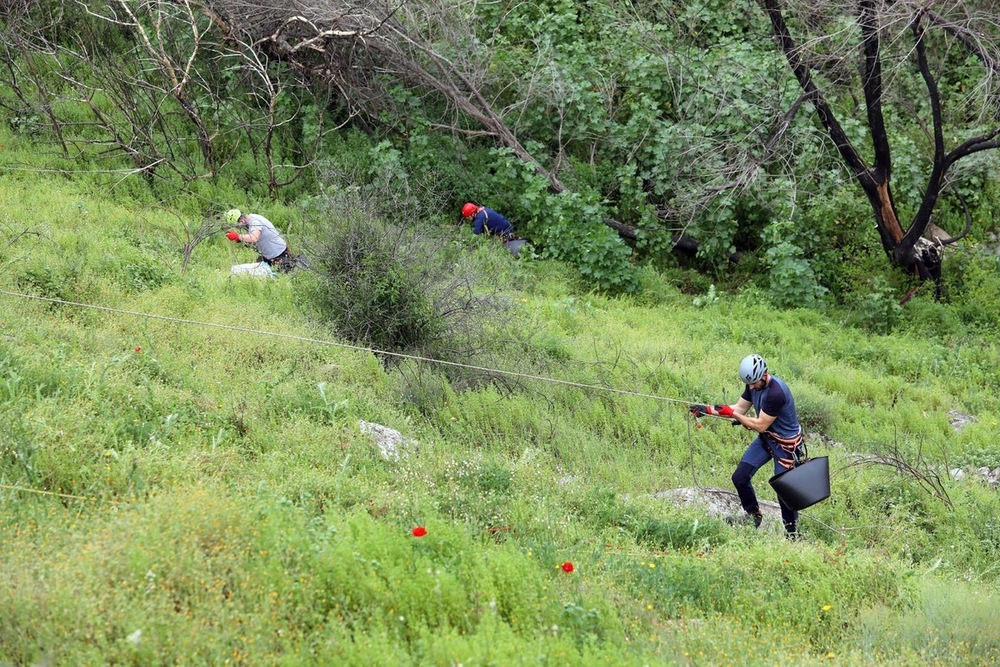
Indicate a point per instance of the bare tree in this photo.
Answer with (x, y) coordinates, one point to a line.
(172, 92)
(898, 34)
(20, 73)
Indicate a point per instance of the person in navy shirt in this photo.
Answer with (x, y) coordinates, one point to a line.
(779, 434)
(487, 220)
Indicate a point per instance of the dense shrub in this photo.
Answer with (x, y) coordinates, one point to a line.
(368, 291)
(381, 283)
(973, 287)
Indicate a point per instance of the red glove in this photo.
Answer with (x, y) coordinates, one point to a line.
(232, 236)
(702, 410)
(724, 410)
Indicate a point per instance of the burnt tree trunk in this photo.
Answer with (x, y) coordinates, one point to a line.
(905, 246)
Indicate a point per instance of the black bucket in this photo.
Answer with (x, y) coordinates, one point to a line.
(804, 485)
(514, 246)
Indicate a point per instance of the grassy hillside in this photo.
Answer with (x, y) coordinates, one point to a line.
(183, 479)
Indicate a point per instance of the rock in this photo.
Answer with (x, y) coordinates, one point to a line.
(959, 420)
(719, 503)
(391, 442)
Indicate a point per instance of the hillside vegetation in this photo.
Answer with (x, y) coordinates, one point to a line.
(187, 470)
(183, 479)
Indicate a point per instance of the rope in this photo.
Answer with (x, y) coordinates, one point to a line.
(43, 493)
(694, 472)
(347, 346)
(318, 341)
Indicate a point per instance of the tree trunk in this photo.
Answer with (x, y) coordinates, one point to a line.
(905, 247)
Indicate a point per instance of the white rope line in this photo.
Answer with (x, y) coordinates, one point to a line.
(359, 348)
(57, 170)
(43, 493)
(306, 339)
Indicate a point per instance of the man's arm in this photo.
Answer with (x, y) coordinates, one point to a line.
(760, 423)
(479, 223)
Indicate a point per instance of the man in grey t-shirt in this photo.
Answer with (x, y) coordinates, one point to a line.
(260, 232)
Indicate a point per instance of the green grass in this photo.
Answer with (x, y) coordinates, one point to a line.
(193, 488)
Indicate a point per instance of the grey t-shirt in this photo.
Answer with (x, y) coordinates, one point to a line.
(270, 244)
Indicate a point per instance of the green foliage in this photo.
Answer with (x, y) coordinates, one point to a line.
(793, 282)
(26, 123)
(953, 624)
(425, 389)
(987, 457)
(674, 530)
(393, 288)
(973, 278)
(664, 117)
(63, 277)
(571, 227)
(708, 299)
(217, 501)
(878, 309)
(510, 485)
(818, 412)
(925, 315)
(709, 22)
(368, 292)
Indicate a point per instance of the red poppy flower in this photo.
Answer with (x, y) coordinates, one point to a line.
(419, 531)
(567, 567)
(138, 350)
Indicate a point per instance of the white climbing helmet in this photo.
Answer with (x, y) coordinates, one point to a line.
(752, 368)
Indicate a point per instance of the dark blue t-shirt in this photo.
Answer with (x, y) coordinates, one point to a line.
(776, 399)
(492, 222)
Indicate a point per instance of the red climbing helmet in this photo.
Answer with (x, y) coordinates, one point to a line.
(469, 209)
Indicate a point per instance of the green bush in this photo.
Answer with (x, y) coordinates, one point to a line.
(973, 286)
(877, 306)
(62, 279)
(368, 289)
(393, 288)
(793, 280)
(926, 316)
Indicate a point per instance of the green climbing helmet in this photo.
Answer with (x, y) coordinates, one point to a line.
(233, 216)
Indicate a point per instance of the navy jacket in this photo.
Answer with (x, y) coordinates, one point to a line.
(492, 222)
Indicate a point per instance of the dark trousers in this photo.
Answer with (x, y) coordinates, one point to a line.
(756, 455)
(283, 262)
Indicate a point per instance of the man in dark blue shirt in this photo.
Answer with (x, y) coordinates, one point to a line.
(487, 220)
(779, 435)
